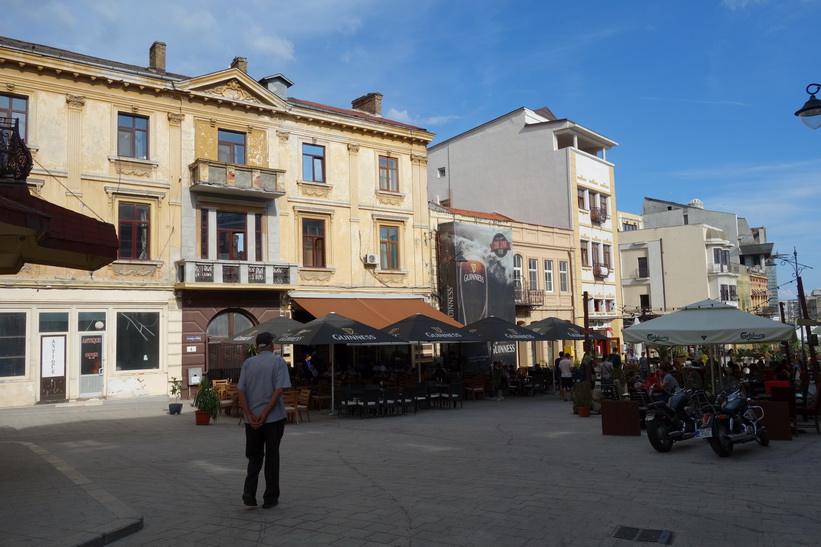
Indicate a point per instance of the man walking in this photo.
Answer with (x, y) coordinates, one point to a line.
(261, 381)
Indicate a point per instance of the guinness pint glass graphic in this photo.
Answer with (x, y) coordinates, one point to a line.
(472, 285)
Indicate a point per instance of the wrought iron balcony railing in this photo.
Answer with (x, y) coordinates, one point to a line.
(525, 296)
(15, 157)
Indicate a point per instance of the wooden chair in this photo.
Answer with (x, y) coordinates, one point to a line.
(303, 403)
(229, 400)
(289, 398)
(476, 387)
(322, 396)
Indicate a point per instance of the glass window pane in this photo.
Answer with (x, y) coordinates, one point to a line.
(12, 344)
(138, 340)
(88, 321)
(54, 322)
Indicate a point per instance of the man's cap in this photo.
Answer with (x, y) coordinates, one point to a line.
(264, 339)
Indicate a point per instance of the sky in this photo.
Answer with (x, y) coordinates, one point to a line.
(700, 95)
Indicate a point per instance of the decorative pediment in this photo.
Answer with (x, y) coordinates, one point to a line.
(232, 86)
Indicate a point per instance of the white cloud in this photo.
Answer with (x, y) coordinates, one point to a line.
(268, 44)
(399, 116)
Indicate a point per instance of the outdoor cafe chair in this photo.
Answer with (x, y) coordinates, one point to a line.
(434, 393)
(368, 403)
(390, 401)
(407, 399)
(453, 394)
(421, 396)
(303, 403)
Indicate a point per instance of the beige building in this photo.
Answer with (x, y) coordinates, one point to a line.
(666, 268)
(233, 202)
(561, 177)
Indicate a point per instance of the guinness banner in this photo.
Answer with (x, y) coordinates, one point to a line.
(476, 281)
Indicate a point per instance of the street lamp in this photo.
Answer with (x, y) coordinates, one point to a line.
(810, 113)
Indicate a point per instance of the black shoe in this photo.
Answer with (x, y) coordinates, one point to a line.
(269, 504)
(248, 499)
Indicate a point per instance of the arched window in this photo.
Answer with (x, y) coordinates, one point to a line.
(225, 360)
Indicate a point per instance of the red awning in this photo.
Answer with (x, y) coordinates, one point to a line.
(32, 230)
(374, 312)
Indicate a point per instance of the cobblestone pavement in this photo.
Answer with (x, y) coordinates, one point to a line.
(521, 471)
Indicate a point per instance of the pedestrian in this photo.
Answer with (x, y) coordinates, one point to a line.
(261, 382)
(309, 369)
(557, 372)
(566, 371)
(644, 366)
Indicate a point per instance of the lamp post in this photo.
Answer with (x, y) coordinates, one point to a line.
(805, 322)
(810, 113)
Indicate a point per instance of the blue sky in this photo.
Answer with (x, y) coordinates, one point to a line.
(699, 95)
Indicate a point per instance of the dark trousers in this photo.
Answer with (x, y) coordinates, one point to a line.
(262, 445)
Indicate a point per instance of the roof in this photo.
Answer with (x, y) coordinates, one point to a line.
(374, 312)
(476, 214)
(353, 113)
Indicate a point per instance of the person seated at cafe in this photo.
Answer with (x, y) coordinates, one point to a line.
(668, 384)
(782, 373)
(693, 380)
(309, 370)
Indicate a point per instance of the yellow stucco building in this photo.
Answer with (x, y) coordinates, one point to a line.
(233, 203)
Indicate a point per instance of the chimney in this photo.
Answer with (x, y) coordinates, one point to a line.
(240, 63)
(156, 57)
(370, 103)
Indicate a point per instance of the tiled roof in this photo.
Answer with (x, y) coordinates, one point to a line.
(477, 214)
(351, 112)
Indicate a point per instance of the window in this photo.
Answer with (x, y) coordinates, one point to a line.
(313, 163)
(389, 247)
(53, 322)
(594, 251)
(231, 146)
(441, 172)
(258, 237)
(582, 199)
(563, 281)
(134, 232)
(603, 204)
(548, 275)
(13, 106)
(204, 233)
(138, 340)
(533, 273)
(12, 344)
(644, 302)
(605, 259)
(644, 270)
(686, 219)
(517, 270)
(313, 243)
(628, 227)
(585, 253)
(388, 174)
(231, 235)
(132, 136)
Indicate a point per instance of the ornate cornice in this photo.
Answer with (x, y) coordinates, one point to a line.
(232, 90)
(386, 198)
(316, 190)
(315, 275)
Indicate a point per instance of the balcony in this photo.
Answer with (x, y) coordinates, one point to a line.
(237, 273)
(524, 296)
(598, 214)
(723, 268)
(601, 270)
(217, 177)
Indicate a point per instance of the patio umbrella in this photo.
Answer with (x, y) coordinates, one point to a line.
(496, 329)
(559, 329)
(275, 326)
(335, 329)
(708, 322)
(420, 328)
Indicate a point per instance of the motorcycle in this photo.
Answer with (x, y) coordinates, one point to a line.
(733, 421)
(676, 419)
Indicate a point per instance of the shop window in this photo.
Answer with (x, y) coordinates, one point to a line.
(138, 340)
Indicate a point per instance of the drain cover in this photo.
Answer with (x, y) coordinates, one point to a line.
(663, 537)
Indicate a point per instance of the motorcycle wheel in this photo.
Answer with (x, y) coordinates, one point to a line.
(763, 438)
(719, 442)
(658, 436)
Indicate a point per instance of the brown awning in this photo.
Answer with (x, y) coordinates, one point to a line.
(35, 231)
(374, 312)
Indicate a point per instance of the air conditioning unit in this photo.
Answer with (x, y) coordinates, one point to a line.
(371, 260)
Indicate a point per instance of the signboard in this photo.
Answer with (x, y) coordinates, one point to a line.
(53, 356)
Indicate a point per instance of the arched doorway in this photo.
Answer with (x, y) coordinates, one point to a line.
(225, 360)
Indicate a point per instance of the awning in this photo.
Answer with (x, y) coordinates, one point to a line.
(374, 312)
(32, 230)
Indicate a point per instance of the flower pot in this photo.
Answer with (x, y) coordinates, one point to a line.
(584, 411)
(202, 417)
(174, 408)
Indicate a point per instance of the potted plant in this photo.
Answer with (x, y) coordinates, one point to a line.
(207, 403)
(582, 398)
(176, 391)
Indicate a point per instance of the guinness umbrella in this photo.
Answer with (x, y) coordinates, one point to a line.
(420, 328)
(495, 329)
(274, 326)
(335, 329)
(559, 329)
